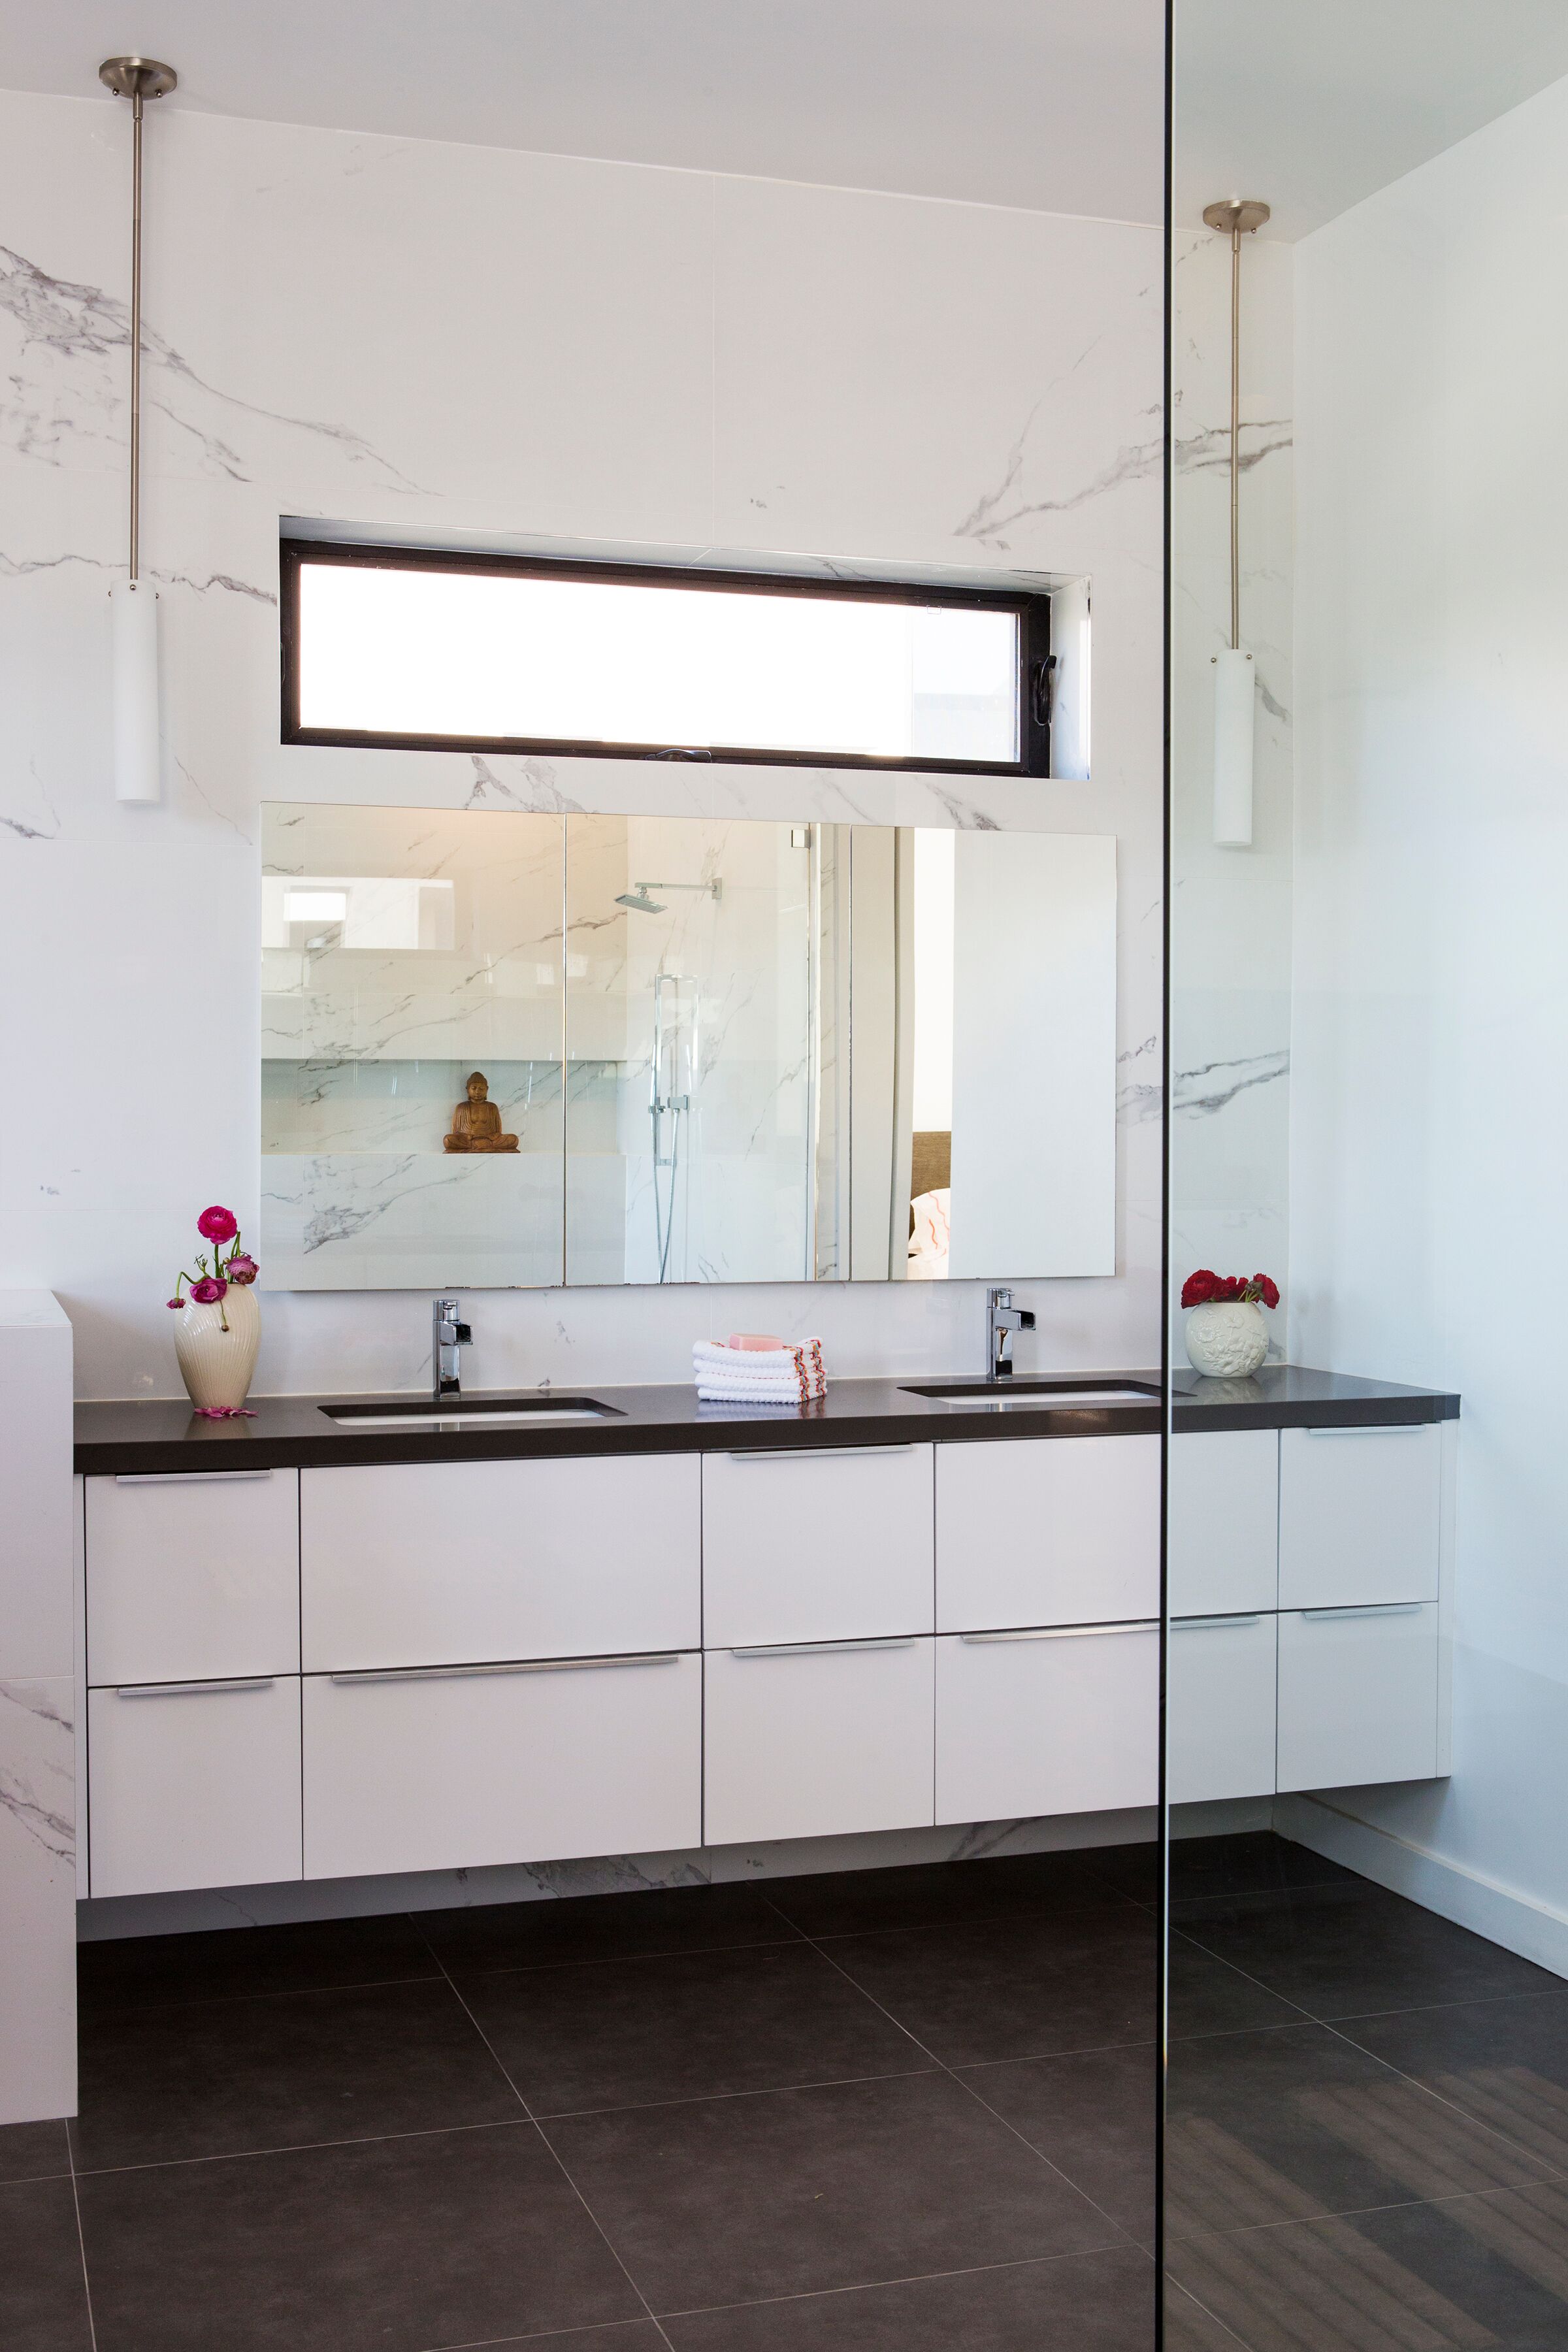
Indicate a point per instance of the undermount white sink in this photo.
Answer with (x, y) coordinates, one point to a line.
(470, 1415)
(1034, 1395)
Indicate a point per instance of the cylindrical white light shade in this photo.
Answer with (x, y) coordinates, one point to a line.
(137, 769)
(1234, 711)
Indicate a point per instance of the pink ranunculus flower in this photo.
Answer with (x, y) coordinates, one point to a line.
(217, 1225)
(241, 1268)
(209, 1289)
(175, 1302)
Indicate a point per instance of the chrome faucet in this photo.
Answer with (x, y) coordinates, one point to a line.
(447, 1336)
(1002, 1320)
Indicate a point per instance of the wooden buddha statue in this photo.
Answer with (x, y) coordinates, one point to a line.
(476, 1122)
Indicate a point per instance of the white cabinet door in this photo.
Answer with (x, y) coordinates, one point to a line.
(440, 1563)
(1047, 1722)
(816, 1544)
(1046, 1531)
(816, 1741)
(1224, 1521)
(192, 1577)
(1358, 1512)
(1358, 1695)
(458, 1768)
(1220, 1677)
(194, 1786)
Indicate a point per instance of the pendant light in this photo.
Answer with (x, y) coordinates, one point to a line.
(1235, 677)
(133, 602)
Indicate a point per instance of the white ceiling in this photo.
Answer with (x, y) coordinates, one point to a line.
(1051, 104)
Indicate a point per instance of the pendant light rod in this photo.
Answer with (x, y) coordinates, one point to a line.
(1235, 217)
(137, 79)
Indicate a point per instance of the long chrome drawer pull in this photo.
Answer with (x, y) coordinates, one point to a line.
(183, 1478)
(1066, 1632)
(191, 1690)
(813, 1453)
(509, 1666)
(1198, 1624)
(821, 1649)
(1373, 1609)
(1373, 1429)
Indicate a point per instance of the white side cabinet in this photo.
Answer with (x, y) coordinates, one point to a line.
(1358, 1695)
(1046, 1531)
(1224, 1535)
(816, 1544)
(1054, 1721)
(194, 1784)
(1220, 1707)
(818, 1739)
(454, 1769)
(194, 1577)
(1359, 1515)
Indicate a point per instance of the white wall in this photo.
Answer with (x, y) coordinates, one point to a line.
(428, 338)
(1230, 972)
(1428, 1236)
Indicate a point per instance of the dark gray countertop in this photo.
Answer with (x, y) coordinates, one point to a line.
(158, 1436)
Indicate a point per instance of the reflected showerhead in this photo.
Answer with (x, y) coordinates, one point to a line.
(640, 902)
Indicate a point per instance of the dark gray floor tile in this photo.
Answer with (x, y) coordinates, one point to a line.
(43, 2295)
(1352, 1949)
(1208, 1996)
(32, 2151)
(1503, 2061)
(222, 1964)
(600, 1928)
(625, 2033)
(1255, 1862)
(737, 2200)
(1026, 1987)
(1189, 2328)
(219, 2078)
(1281, 2126)
(447, 2238)
(929, 1894)
(1471, 2272)
(1092, 2113)
(1091, 2303)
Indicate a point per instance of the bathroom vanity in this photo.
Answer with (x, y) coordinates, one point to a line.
(336, 1639)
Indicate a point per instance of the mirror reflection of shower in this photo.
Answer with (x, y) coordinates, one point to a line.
(675, 1063)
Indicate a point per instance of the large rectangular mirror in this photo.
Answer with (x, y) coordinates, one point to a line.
(518, 1050)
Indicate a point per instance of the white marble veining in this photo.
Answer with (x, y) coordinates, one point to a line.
(688, 405)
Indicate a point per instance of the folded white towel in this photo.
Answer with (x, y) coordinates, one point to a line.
(714, 1393)
(791, 1375)
(752, 1363)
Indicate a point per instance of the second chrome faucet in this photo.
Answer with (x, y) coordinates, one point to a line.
(448, 1334)
(1002, 1320)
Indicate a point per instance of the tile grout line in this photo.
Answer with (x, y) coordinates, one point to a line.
(545, 2139)
(81, 2242)
(906, 2278)
(1122, 2236)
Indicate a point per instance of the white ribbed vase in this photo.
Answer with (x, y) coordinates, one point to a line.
(214, 1364)
(1227, 1338)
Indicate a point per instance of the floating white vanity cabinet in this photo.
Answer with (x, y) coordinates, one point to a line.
(192, 1577)
(1359, 1515)
(1358, 1695)
(455, 1769)
(1220, 1713)
(816, 1544)
(1046, 1531)
(1224, 1522)
(194, 1784)
(1056, 1720)
(818, 1739)
(449, 1563)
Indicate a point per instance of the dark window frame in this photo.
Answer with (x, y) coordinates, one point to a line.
(1036, 662)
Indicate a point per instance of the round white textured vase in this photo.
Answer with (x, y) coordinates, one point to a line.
(214, 1364)
(1227, 1338)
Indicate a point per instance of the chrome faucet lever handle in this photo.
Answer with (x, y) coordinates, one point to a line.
(448, 1334)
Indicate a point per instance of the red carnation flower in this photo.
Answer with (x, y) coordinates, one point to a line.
(1199, 1287)
(1267, 1291)
(1227, 1290)
(217, 1225)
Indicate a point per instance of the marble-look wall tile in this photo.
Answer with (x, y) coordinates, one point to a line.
(37, 1898)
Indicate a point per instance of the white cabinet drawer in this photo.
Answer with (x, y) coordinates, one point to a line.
(818, 1741)
(1220, 1677)
(1224, 1521)
(1357, 1696)
(1046, 1723)
(1046, 1531)
(816, 1544)
(454, 1770)
(193, 1787)
(192, 1577)
(438, 1563)
(1358, 1513)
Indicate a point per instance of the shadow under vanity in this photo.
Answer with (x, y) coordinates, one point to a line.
(316, 1650)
